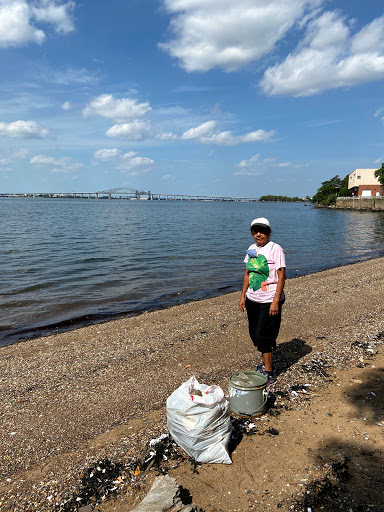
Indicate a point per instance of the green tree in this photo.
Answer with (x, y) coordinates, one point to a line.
(329, 190)
(344, 190)
(379, 174)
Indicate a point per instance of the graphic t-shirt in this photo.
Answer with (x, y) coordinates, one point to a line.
(263, 271)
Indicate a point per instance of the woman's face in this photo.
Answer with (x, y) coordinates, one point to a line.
(260, 234)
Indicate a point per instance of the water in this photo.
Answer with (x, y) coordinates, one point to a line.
(70, 261)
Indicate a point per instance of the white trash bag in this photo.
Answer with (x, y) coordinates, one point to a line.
(198, 420)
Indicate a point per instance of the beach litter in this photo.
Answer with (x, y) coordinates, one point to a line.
(323, 493)
(198, 420)
(98, 482)
(104, 478)
(316, 366)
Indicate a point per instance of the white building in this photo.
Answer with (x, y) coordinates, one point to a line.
(362, 182)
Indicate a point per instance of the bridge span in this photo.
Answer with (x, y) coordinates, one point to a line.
(130, 194)
(152, 196)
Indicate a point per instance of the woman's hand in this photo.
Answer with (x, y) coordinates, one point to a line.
(244, 291)
(274, 308)
(242, 304)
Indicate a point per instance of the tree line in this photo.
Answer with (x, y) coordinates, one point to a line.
(285, 199)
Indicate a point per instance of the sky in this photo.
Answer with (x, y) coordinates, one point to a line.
(205, 97)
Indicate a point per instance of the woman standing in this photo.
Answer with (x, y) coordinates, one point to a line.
(262, 294)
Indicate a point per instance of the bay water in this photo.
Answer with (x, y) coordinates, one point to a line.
(68, 262)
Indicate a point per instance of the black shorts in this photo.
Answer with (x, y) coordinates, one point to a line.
(263, 327)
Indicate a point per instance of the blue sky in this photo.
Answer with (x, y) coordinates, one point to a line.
(210, 97)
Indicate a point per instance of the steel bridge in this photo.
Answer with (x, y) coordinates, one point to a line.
(132, 194)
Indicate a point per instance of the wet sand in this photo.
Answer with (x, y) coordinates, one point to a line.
(70, 399)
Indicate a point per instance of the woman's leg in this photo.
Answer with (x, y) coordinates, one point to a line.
(267, 358)
(266, 334)
(263, 330)
(253, 312)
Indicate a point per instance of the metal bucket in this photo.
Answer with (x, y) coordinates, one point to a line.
(247, 394)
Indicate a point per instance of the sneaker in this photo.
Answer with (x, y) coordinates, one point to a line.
(260, 367)
(271, 377)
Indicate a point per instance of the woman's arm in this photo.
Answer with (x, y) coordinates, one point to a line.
(274, 308)
(244, 290)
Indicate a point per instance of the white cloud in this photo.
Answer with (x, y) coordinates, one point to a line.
(17, 18)
(59, 15)
(329, 57)
(256, 136)
(137, 165)
(106, 154)
(66, 105)
(128, 155)
(203, 130)
(15, 27)
(221, 139)
(166, 136)
(228, 34)
(252, 167)
(128, 161)
(63, 164)
(205, 133)
(137, 161)
(118, 110)
(136, 130)
(23, 130)
(289, 165)
(256, 165)
(369, 38)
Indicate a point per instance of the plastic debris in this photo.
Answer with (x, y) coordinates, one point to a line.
(154, 442)
(243, 380)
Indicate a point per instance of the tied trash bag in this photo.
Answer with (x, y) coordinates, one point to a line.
(198, 420)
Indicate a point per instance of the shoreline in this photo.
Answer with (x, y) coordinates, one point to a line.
(79, 322)
(99, 391)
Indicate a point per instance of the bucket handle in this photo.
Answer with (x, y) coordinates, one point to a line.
(265, 396)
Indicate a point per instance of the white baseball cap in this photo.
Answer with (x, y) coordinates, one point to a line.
(261, 221)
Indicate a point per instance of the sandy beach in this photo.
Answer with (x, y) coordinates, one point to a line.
(98, 393)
